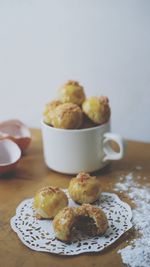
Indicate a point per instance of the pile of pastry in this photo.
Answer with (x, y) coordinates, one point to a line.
(72, 110)
(52, 203)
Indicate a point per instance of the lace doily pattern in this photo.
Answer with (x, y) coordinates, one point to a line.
(39, 234)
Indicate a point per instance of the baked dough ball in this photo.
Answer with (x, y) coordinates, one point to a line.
(49, 111)
(63, 223)
(84, 188)
(67, 116)
(97, 109)
(91, 220)
(49, 201)
(72, 92)
(87, 219)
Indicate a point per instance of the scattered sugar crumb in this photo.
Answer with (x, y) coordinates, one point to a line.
(138, 168)
(137, 254)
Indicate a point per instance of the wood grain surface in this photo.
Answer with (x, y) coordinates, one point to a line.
(33, 174)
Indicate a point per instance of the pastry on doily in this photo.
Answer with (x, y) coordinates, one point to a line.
(49, 201)
(87, 219)
(84, 188)
(63, 223)
(67, 116)
(49, 111)
(91, 220)
(97, 109)
(72, 92)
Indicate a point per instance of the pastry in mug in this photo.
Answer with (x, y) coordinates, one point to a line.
(72, 92)
(67, 116)
(49, 111)
(84, 188)
(88, 219)
(97, 109)
(49, 201)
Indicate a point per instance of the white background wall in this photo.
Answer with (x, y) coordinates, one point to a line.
(103, 44)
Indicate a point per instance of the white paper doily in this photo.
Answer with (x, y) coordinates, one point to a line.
(39, 234)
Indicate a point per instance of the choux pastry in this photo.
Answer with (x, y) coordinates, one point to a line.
(88, 219)
(84, 188)
(48, 113)
(72, 92)
(49, 201)
(67, 116)
(97, 109)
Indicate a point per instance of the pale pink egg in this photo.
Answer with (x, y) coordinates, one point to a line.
(10, 155)
(16, 131)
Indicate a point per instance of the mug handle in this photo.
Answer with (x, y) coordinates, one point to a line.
(109, 153)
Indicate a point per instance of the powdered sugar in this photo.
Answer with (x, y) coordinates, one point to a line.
(137, 253)
(138, 168)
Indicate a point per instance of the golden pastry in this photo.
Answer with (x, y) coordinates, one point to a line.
(72, 92)
(49, 111)
(49, 201)
(88, 219)
(97, 109)
(63, 223)
(84, 188)
(67, 116)
(91, 220)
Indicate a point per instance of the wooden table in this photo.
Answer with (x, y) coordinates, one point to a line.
(31, 175)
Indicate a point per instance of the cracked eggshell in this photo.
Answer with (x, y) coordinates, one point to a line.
(16, 131)
(10, 155)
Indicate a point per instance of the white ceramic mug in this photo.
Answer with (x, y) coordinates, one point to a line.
(72, 151)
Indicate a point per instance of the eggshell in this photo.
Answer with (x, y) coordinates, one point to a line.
(10, 155)
(16, 131)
